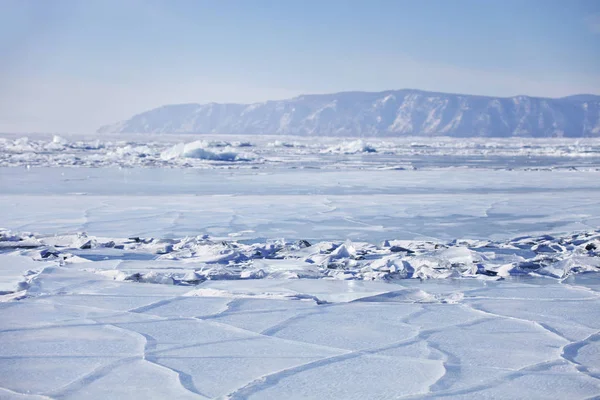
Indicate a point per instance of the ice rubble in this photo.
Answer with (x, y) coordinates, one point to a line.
(352, 147)
(59, 151)
(234, 152)
(192, 260)
(198, 149)
(279, 143)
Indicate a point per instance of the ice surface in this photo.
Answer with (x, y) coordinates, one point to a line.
(260, 347)
(299, 204)
(180, 318)
(298, 268)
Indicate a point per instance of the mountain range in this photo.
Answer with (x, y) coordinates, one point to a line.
(390, 113)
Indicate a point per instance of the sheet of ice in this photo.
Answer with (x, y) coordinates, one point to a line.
(199, 335)
(262, 267)
(299, 204)
(170, 344)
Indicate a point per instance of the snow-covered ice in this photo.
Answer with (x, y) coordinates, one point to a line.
(283, 268)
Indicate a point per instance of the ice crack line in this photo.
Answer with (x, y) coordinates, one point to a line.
(570, 351)
(185, 380)
(32, 395)
(285, 323)
(156, 304)
(567, 352)
(272, 379)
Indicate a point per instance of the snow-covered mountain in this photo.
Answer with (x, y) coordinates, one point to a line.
(389, 113)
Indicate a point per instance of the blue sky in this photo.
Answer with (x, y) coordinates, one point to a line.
(71, 65)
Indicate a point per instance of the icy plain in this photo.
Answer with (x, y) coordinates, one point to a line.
(280, 267)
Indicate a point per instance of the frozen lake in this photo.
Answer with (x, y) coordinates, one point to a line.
(260, 268)
(299, 204)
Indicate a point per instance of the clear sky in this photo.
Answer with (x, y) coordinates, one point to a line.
(72, 65)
